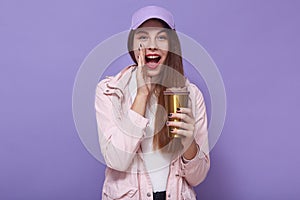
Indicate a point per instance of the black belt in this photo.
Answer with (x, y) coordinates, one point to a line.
(159, 195)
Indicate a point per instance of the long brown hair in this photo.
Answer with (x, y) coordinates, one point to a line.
(172, 76)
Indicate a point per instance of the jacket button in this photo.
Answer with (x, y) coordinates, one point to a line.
(148, 194)
(169, 195)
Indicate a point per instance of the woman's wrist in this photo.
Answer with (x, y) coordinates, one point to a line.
(142, 95)
(191, 152)
(139, 104)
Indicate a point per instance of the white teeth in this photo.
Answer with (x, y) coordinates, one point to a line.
(152, 57)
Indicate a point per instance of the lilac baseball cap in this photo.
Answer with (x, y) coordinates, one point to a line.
(149, 12)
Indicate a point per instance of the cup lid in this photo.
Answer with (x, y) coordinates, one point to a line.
(178, 91)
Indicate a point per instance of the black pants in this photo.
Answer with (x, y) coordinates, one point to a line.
(159, 195)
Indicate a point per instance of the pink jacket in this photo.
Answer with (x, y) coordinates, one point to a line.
(121, 131)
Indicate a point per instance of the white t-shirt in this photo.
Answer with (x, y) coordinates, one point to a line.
(157, 163)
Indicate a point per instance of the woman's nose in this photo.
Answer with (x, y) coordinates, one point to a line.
(152, 44)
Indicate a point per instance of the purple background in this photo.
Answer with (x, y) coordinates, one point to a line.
(255, 45)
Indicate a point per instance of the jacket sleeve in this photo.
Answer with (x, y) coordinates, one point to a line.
(194, 171)
(119, 144)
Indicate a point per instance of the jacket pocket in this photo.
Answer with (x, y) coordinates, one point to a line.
(130, 194)
(119, 185)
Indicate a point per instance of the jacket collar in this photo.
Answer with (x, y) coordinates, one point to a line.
(120, 81)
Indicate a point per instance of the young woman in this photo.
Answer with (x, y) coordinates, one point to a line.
(142, 161)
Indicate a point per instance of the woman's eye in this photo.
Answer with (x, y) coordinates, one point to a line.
(162, 37)
(143, 38)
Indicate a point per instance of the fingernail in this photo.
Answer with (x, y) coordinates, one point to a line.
(167, 123)
(171, 130)
(140, 45)
(139, 48)
(170, 114)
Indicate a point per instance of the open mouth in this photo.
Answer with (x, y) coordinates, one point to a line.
(152, 60)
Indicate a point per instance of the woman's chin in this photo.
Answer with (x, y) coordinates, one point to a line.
(154, 72)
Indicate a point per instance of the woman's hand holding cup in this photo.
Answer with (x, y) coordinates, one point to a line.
(182, 124)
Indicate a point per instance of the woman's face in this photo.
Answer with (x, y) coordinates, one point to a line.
(154, 39)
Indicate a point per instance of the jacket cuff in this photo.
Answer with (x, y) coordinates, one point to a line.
(138, 119)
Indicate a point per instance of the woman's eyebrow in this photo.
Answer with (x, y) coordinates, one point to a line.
(162, 31)
(141, 31)
(146, 32)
